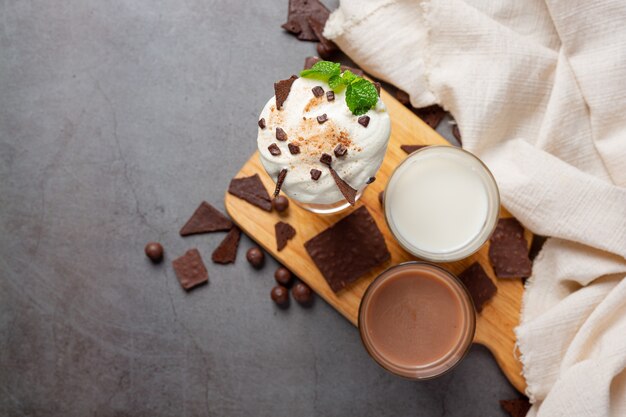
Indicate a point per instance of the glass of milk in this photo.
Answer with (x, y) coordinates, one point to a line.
(442, 203)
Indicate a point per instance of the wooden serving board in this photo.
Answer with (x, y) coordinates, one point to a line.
(499, 317)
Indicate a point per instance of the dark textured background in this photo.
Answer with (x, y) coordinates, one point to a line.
(116, 119)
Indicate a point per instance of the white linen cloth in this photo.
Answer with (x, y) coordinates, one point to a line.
(538, 88)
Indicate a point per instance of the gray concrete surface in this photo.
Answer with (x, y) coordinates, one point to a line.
(116, 119)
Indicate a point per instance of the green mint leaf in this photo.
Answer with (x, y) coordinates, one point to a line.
(322, 70)
(336, 83)
(348, 76)
(361, 96)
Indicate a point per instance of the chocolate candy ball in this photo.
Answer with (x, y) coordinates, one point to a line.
(302, 293)
(283, 276)
(154, 251)
(280, 203)
(280, 296)
(256, 257)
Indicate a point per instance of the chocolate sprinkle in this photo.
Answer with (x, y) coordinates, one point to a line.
(322, 118)
(280, 134)
(348, 192)
(340, 150)
(315, 174)
(190, 269)
(205, 219)
(274, 149)
(508, 251)
(226, 252)
(318, 91)
(517, 407)
(284, 233)
(348, 249)
(251, 189)
(300, 11)
(326, 159)
(370, 180)
(262, 123)
(364, 121)
(279, 181)
(479, 285)
(293, 148)
(282, 89)
(411, 148)
(330, 95)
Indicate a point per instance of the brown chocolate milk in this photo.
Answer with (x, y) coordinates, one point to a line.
(418, 318)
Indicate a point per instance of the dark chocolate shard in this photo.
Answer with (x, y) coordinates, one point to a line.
(508, 251)
(251, 189)
(326, 159)
(479, 285)
(190, 269)
(284, 233)
(281, 135)
(274, 149)
(516, 407)
(411, 148)
(348, 249)
(322, 118)
(340, 150)
(226, 252)
(300, 11)
(317, 91)
(364, 121)
(293, 148)
(315, 174)
(327, 45)
(205, 219)
(309, 61)
(282, 89)
(348, 192)
(262, 123)
(431, 115)
(330, 95)
(279, 181)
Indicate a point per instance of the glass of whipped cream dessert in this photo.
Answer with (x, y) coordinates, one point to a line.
(323, 137)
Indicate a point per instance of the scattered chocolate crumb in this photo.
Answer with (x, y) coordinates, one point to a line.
(431, 115)
(411, 148)
(262, 123)
(370, 180)
(190, 269)
(318, 91)
(326, 159)
(508, 251)
(154, 251)
(322, 118)
(280, 134)
(274, 149)
(226, 252)
(457, 134)
(251, 189)
(280, 203)
(403, 97)
(330, 95)
(348, 192)
(255, 257)
(340, 150)
(516, 407)
(283, 276)
(302, 293)
(280, 296)
(293, 148)
(284, 233)
(381, 197)
(300, 11)
(279, 181)
(205, 219)
(479, 285)
(315, 174)
(282, 89)
(364, 121)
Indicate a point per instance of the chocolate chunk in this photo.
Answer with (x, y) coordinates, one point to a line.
(190, 269)
(516, 407)
(322, 118)
(431, 115)
(280, 296)
(330, 95)
(340, 150)
(370, 180)
(262, 123)
(154, 251)
(205, 219)
(318, 91)
(479, 285)
(381, 197)
(226, 252)
(326, 159)
(282, 89)
(309, 61)
(302, 293)
(348, 249)
(377, 87)
(280, 134)
(325, 51)
(508, 251)
(252, 190)
(279, 181)
(326, 47)
(280, 203)
(293, 148)
(284, 233)
(403, 97)
(315, 174)
(283, 276)
(348, 192)
(300, 11)
(274, 149)
(457, 134)
(364, 121)
(255, 257)
(411, 148)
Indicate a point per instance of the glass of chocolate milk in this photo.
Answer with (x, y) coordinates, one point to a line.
(417, 320)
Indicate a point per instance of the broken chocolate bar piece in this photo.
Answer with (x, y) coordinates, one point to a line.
(348, 192)
(508, 251)
(479, 285)
(411, 148)
(516, 407)
(348, 249)
(431, 115)
(205, 219)
(190, 269)
(282, 89)
(300, 11)
(252, 190)
(226, 252)
(279, 181)
(284, 233)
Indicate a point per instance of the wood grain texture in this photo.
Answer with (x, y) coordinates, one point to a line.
(499, 317)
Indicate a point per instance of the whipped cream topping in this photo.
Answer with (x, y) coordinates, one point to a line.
(298, 118)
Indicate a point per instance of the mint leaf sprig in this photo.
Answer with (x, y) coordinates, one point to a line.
(361, 95)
